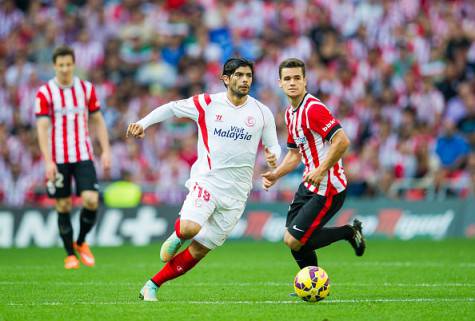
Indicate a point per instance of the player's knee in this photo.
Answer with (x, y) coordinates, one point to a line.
(64, 205)
(292, 242)
(90, 200)
(189, 229)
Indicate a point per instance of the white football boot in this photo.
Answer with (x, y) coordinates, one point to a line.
(170, 247)
(149, 292)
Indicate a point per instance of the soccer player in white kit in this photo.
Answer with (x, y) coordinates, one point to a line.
(231, 125)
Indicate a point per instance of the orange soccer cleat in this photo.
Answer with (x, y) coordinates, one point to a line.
(71, 262)
(85, 254)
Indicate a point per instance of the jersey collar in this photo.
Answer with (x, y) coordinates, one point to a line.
(294, 110)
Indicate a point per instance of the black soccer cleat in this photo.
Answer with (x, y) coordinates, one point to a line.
(358, 242)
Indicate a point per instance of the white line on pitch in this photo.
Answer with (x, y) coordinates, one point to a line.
(241, 284)
(388, 264)
(335, 301)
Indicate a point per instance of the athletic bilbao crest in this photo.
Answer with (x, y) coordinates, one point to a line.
(250, 121)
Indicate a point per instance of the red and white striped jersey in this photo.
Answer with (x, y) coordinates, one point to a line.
(310, 128)
(69, 109)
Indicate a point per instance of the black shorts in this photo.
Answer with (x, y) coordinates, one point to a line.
(309, 212)
(84, 175)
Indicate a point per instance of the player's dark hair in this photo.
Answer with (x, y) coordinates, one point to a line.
(63, 51)
(234, 63)
(291, 63)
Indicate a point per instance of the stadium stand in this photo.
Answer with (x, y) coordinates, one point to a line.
(399, 74)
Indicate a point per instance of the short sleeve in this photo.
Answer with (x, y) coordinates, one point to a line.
(322, 121)
(41, 105)
(93, 103)
(290, 138)
(290, 141)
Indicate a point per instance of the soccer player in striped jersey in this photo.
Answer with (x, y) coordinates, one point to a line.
(64, 106)
(317, 139)
(231, 125)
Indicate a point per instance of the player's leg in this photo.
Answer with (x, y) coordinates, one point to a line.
(302, 258)
(184, 230)
(213, 233)
(197, 208)
(177, 266)
(181, 263)
(305, 258)
(60, 190)
(87, 187)
(307, 232)
(324, 236)
(63, 207)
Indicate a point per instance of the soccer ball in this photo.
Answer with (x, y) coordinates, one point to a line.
(312, 284)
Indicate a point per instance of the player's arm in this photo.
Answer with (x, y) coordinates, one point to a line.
(289, 163)
(103, 137)
(43, 122)
(323, 122)
(42, 126)
(338, 147)
(272, 148)
(180, 108)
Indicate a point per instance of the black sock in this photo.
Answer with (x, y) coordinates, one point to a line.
(66, 231)
(327, 236)
(87, 220)
(305, 258)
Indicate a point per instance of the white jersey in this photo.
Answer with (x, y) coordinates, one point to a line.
(228, 139)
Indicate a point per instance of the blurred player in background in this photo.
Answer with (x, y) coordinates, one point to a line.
(231, 125)
(64, 106)
(317, 139)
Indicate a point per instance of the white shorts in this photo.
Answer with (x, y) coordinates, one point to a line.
(217, 217)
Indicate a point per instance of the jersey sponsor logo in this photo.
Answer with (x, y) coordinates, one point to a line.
(218, 117)
(328, 125)
(70, 110)
(235, 133)
(250, 121)
(300, 140)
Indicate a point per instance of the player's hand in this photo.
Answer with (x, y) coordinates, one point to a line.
(51, 170)
(268, 179)
(314, 177)
(270, 158)
(135, 130)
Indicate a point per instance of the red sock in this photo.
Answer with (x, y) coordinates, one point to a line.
(177, 266)
(177, 228)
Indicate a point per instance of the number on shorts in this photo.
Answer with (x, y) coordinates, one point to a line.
(202, 193)
(59, 180)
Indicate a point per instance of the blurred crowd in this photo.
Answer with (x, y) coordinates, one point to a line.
(400, 75)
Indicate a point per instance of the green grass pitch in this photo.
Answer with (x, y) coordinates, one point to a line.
(395, 280)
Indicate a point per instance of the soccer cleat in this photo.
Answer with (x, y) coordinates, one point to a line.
(85, 254)
(358, 242)
(71, 262)
(149, 292)
(170, 247)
